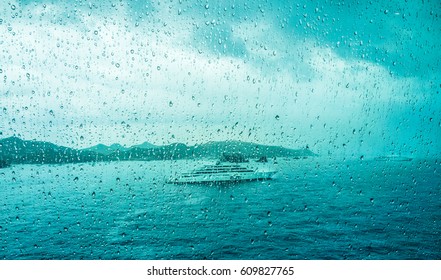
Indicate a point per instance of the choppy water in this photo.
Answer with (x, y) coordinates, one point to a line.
(314, 209)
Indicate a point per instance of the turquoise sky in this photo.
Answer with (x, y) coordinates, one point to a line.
(342, 77)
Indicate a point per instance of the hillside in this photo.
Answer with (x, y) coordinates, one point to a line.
(14, 150)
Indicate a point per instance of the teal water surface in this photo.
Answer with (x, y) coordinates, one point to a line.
(313, 209)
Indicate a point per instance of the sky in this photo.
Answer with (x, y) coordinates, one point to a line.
(340, 77)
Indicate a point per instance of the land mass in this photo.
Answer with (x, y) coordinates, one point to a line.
(14, 150)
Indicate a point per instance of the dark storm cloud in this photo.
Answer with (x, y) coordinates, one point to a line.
(345, 77)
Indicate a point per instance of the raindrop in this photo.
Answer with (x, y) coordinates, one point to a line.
(170, 104)
(277, 117)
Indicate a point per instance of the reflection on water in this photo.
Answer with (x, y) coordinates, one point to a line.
(314, 209)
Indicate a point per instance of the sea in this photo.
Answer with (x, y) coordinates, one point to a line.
(314, 209)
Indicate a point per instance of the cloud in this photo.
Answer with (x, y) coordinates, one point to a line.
(182, 72)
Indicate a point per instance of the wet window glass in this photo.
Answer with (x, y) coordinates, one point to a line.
(181, 129)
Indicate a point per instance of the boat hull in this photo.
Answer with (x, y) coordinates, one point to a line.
(223, 178)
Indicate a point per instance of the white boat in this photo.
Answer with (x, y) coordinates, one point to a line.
(223, 173)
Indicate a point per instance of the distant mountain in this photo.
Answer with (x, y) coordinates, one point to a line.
(208, 150)
(252, 150)
(15, 150)
(106, 150)
(3, 164)
(145, 145)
